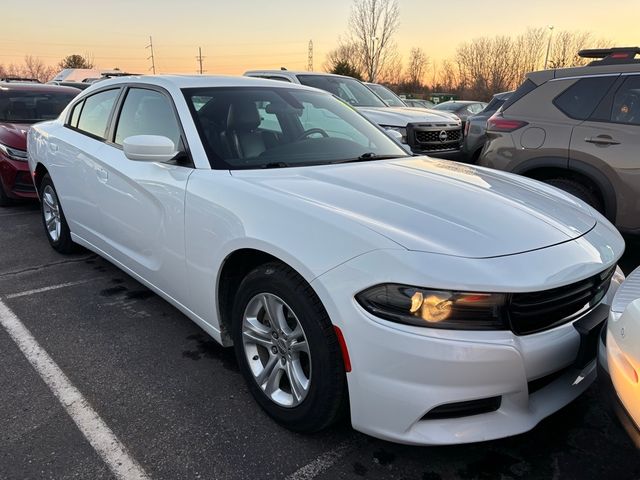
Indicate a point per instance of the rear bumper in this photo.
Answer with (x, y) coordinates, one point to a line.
(16, 179)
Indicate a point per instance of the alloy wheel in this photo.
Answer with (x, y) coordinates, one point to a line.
(51, 212)
(277, 350)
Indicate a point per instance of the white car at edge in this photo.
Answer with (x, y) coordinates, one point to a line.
(620, 356)
(440, 303)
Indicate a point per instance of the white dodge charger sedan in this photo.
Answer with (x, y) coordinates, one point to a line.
(435, 302)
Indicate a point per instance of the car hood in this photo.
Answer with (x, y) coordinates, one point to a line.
(401, 116)
(437, 206)
(14, 135)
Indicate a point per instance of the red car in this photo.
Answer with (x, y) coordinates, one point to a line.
(22, 104)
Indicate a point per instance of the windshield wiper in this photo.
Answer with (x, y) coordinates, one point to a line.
(368, 156)
(275, 165)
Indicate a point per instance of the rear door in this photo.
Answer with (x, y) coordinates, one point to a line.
(609, 141)
(142, 203)
(75, 154)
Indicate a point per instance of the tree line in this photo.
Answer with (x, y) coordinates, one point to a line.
(35, 68)
(480, 67)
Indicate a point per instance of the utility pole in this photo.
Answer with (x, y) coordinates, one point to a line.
(199, 58)
(151, 57)
(310, 57)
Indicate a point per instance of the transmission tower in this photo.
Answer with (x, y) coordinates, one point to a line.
(200, 58)
(151, 57)
(310, 57)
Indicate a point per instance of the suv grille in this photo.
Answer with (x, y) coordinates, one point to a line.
(533, 312)
(434, 136)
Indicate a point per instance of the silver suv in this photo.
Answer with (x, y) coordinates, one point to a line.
(426, 132)
(579, 130)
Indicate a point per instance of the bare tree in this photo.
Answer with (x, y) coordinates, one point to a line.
(35, 68)
(416, 67)
(566, 45)
(372, 26)
(529, 49)
(344, 60)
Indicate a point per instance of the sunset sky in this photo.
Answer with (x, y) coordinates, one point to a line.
(236, 35)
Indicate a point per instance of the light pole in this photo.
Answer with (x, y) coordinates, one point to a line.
(546, 59)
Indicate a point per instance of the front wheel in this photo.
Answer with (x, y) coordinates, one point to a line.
(53, 219)
(287, 349)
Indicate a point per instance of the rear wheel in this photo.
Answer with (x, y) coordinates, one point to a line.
(53, 219)
(579, 190)
(287, 349)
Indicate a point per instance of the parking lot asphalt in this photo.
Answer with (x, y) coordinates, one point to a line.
(178, 404)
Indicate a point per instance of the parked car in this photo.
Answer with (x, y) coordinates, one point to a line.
(619, 368)
(428, 133)
(19, 80)
(415, 102)
(387, 96)
(577, 129)
(22, 104)
(475, 128)
(345, 272)
(463, 109)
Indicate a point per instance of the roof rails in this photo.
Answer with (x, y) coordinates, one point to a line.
(19, 80)
(611, 56)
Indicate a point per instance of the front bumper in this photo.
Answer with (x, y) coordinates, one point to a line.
(16, 179)
(612, 401)
(401, 373)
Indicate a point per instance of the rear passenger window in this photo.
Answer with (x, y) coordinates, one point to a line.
(626, 104)
(95, 114)
(75, 114)
(581, 99)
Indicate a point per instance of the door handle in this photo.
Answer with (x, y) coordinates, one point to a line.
(602, 140)
(102, 174)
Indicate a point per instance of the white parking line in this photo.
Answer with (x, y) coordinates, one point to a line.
(98, 434)
(322, 463)
(46, 289)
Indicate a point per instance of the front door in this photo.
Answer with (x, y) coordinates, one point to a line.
(142, 203)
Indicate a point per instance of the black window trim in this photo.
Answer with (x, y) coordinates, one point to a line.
(163, 91)
(68, 125)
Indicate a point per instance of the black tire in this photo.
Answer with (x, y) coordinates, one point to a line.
(63, 244)
(325, 400)
(579, 190)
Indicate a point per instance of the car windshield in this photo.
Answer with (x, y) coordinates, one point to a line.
(348, 89)
(271, 127)
(448, 106)
(31, 106)
(387, 95)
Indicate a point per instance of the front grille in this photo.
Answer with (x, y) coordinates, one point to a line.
(434, 136)
(23, 183)
(537, 311)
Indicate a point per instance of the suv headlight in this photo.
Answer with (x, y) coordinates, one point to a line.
(14, 153)
(401, 130)
(435, 308)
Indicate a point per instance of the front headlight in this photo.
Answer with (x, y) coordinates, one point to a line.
(14, 153)
(435, 308)
(401, 130)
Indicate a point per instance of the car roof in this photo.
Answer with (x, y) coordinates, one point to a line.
(196, 81)
(294, 73)
(34, 87)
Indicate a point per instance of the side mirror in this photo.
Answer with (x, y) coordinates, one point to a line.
(396, 135)
(149, 148)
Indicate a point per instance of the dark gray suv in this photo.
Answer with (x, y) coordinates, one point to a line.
(579, 130)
